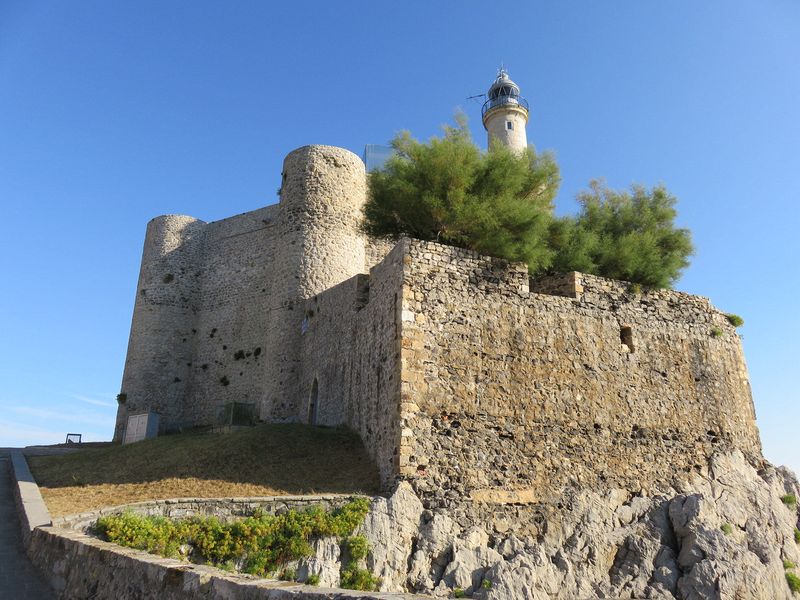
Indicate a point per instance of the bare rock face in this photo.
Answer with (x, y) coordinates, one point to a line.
(726, 535)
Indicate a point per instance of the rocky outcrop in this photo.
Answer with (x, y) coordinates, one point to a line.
(726, 534)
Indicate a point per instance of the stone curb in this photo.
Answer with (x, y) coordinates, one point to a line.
(31, 508)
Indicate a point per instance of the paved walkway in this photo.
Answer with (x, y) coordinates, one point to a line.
(19, 579)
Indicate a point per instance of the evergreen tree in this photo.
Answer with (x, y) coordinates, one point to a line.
(496, 203)
(500, 204)
(623, 235)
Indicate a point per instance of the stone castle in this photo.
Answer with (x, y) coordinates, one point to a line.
(489, 391)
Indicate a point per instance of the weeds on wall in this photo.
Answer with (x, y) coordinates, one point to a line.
(793, 581)
(734, 320)
(259, 545)
(789, 500)
(716, 332)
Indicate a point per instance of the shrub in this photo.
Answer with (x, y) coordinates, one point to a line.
(458, 593)
(357, 547)
(793, 581)
(727, 529)
(288, 575)
(789, 500)
(734, 320)
(122, 397)
(787, 564)
(261, 544)
(716, 332)
(355, 578)
(486, 584)
(797, 535)
(312, 580)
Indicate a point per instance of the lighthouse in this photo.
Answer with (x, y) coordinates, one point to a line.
(505, 114)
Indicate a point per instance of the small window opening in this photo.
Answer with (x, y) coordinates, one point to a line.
(626, 337)
(312, 404)
(509, 125)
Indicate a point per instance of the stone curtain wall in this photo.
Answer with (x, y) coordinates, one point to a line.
(219, 306)
(351, 348)
(511, 398)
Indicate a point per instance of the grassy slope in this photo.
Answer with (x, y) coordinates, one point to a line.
(261, 461)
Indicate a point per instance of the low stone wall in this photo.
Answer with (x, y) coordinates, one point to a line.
(78, 566)
(223, 508)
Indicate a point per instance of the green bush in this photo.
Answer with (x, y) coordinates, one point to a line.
(727, 529)
(459, 593)
(260, 543)
(789, 500)
(486, 584)
(355, 578)
(357, 546)
(716, 332)
(312, 580)
(623, 235)
(787, 564)
(734, 320)
(793, 581)
(797, 535)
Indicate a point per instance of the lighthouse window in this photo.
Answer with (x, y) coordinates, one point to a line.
(509, 125)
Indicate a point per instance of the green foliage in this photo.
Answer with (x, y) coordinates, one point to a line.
(734, 320)
(357, 546)
(497, 203)
(716, 332)
(288, 575)
(312, 580)
(353, 576)
(797, 535)
(356, 578)
(727, 529)
(458, 593)
(787, 564)
(623, 235)
(486, 584)
(793, 581)
(789, 500)
(261, 543)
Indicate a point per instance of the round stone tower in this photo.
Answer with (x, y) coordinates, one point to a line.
(160, 345)
(505, 114)
(323, 190)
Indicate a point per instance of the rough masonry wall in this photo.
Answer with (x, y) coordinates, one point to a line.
(219, 306)
(513, 399)
(351, 359)
(156, 373)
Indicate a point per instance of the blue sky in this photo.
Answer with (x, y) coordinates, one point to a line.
(114, 112)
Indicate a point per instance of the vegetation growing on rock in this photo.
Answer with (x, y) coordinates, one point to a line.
(260, 545)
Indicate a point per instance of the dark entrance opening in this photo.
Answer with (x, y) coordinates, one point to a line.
(312, 403)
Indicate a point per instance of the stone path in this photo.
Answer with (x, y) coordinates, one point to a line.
(19, 579)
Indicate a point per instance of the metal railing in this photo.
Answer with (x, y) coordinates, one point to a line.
(502, 100)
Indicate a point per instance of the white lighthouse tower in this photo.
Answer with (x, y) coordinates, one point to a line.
(505, 114)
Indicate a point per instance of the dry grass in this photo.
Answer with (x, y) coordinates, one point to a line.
(262, 461)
